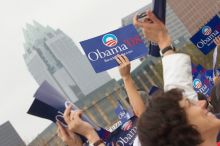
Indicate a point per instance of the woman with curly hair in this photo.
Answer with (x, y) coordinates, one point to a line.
(171, 119)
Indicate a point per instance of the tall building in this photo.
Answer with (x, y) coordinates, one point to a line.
(9, 136)
(194, 13)
(51, 55)
(176, 28)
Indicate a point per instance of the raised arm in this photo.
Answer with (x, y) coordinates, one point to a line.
(133, 95)
(177, 72)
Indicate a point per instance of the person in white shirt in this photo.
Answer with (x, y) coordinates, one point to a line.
(175, 117)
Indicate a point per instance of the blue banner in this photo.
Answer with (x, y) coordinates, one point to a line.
(202, 84)
(124, 135)
(43, 110)
(122, 113)
(101, 50)
(197, 69)
(203, 39)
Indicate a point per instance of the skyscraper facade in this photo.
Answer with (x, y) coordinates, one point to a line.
(9, 136)
(51, 55)
(194, 13)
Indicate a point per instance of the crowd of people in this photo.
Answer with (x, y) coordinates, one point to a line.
(175, 115)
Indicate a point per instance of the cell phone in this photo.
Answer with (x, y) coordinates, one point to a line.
(141, 15)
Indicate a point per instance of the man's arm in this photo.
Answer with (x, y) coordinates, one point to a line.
(133, 95)
(177, 70)
(177, 73)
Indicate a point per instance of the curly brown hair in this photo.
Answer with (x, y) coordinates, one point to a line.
(164, 123)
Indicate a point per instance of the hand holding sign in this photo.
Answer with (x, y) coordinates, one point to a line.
(217, 41)
(76, 124)
(101, 50)
(204, 38)
(125, 66)
(159, 9)
(50, 104)
(155, 30)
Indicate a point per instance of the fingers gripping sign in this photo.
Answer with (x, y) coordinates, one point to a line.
(66, 114)
(217, 41)
(124, 66)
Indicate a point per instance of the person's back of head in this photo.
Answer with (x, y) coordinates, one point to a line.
(164, 123)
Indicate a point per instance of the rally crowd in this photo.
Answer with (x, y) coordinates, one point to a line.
(175, 116)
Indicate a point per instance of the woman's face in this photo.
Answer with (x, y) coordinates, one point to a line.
(199, 116)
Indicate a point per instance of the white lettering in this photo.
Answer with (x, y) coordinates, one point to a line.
(94, 56)
(118, 142)
(200, 45)
(129, 136)
(207, 40)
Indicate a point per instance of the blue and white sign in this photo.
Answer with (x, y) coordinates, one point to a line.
(124, 135)
(101, 50)
(122, 113)
(203, 39)
(202, 84)
(50, 104)
(197, 69)
(197, 84)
